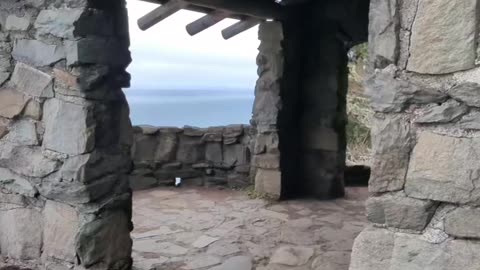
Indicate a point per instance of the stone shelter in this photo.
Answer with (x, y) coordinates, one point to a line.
(66, 137)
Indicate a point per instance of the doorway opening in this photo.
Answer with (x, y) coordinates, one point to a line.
(359, 115)
(191, 101)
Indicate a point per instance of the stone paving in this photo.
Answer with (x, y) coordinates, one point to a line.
(211, 229)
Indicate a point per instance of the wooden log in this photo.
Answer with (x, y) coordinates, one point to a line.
(161, 13)
(239, 27)
(252, 8)
(263, 9)
(205, 22)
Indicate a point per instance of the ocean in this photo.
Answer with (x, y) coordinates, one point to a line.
(200, 108)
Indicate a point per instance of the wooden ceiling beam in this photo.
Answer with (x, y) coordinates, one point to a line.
(239, 27)
(237, 8)
(161, 13)
(205, 22)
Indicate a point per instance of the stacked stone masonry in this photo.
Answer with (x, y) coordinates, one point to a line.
(215, 156)
(65, 134)
(425, 90)
(268, 103)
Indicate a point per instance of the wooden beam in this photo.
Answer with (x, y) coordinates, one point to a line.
(161, 13)
(205, 22)
(251, 8)
(239, 27)
(264, 9)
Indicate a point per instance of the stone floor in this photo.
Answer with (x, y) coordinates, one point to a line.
(209, 229)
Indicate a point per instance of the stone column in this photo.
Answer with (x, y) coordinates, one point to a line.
(65, 134)
(324, 83)
(266, 155)
(425, 89)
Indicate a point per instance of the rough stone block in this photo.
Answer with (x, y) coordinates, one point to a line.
(53, 187)
(139, 182)
(4, 76)
(470, 121)
(30, 162)
(97, 22)
(16, 184)
(389, 94)
(33, 110)
(14, 23)
(266, 143)
(190, 150)
(235, 155)
(69, 128)
(21, 233)
(270, 31)
(269, 182)
(468, 93)
(213, 134)
(266, 161)
(265, 108)
(444, 113)
(11, 103)
(193, 131)
(413, 253)
(392, 142)
(375, 210)
(22, 133)
(37, 53)
(105, 241)
(445, 169)
(463, 222)
(144, 148)
(61, 225)
(97, 51)
(399, 211)
(443, 36)
(372, 250)
(32, 82)
(58, 22)
(214, 153)
(233, 131)
(167, 147)
(383, 32)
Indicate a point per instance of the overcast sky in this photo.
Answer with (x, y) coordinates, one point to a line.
(166, 57)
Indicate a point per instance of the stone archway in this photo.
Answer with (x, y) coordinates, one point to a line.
(65, 135)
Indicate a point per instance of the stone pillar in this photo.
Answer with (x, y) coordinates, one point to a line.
(266, 155)
(65, 134)
(425, 89)
(324, 83)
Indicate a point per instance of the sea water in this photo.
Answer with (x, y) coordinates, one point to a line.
(201, 108)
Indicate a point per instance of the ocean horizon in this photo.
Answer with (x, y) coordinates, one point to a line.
(200, 108)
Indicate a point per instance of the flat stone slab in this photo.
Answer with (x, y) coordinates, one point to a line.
(197, 228)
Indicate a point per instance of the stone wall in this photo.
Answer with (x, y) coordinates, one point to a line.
(215, 156)
(425, 89)
(65, 134)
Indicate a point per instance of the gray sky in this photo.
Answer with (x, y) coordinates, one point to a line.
(166, 57)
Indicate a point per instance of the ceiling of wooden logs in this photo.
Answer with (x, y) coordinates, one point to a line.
(248, 12)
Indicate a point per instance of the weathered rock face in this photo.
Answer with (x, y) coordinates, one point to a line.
(425, 171)
(379, 249)
(200, 156)
(443, 37)
(430, 174)
(64, 136)
(391, 145)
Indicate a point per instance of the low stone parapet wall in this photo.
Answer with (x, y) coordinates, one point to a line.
(214, 156)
